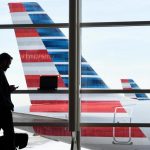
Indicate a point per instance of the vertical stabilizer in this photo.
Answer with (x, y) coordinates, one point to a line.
(129, 84)
(44, 51)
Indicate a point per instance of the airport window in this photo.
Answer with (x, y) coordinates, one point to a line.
(107, 53)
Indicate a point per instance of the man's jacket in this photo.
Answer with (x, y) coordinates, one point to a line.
(5, 97)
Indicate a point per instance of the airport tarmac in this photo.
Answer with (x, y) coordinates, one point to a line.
(37, 142)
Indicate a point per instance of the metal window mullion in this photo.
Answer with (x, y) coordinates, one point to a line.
(72, 64)
(74, 72)
(65, 124)
(82, 91)
(78, 72)
(84, 24)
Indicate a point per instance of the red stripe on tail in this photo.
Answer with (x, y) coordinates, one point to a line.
(16, 7)
(124, 80)
(86, 106)
(26, 32)
(90, 131)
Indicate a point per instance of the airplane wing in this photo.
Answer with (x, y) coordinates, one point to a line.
(44, 51)
(29, 119)
(130, 84)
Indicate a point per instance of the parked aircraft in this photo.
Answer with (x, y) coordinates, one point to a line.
(44, 51)
(130, 84)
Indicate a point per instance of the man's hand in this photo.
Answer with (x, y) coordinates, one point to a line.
(13, 88)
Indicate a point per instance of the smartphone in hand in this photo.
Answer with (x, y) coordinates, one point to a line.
(16, 87)
(13, 88)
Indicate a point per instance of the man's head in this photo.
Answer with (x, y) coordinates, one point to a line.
(5, 61)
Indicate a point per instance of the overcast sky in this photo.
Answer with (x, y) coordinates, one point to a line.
(114, 53)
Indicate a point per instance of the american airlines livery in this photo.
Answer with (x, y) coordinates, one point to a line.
(130, 84)
(44, 51)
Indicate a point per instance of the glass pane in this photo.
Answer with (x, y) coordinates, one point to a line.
(108, 10)
(28, 10)
(118, 53)
(118, 57)
(36, 52)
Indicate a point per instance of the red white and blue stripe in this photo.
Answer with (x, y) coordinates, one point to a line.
(44, 51)
(129, 84)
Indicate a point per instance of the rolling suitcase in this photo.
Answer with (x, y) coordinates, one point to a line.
(21, 141)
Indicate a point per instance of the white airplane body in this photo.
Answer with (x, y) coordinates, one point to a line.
(44, 51)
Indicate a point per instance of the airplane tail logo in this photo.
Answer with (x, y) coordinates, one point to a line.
(44, 51)
(129, 84)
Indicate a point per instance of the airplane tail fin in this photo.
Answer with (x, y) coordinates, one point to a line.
(129, 84)
(45, 51)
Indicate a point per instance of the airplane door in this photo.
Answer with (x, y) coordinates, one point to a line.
(122, 135)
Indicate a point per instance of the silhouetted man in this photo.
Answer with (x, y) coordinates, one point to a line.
(6, 105)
